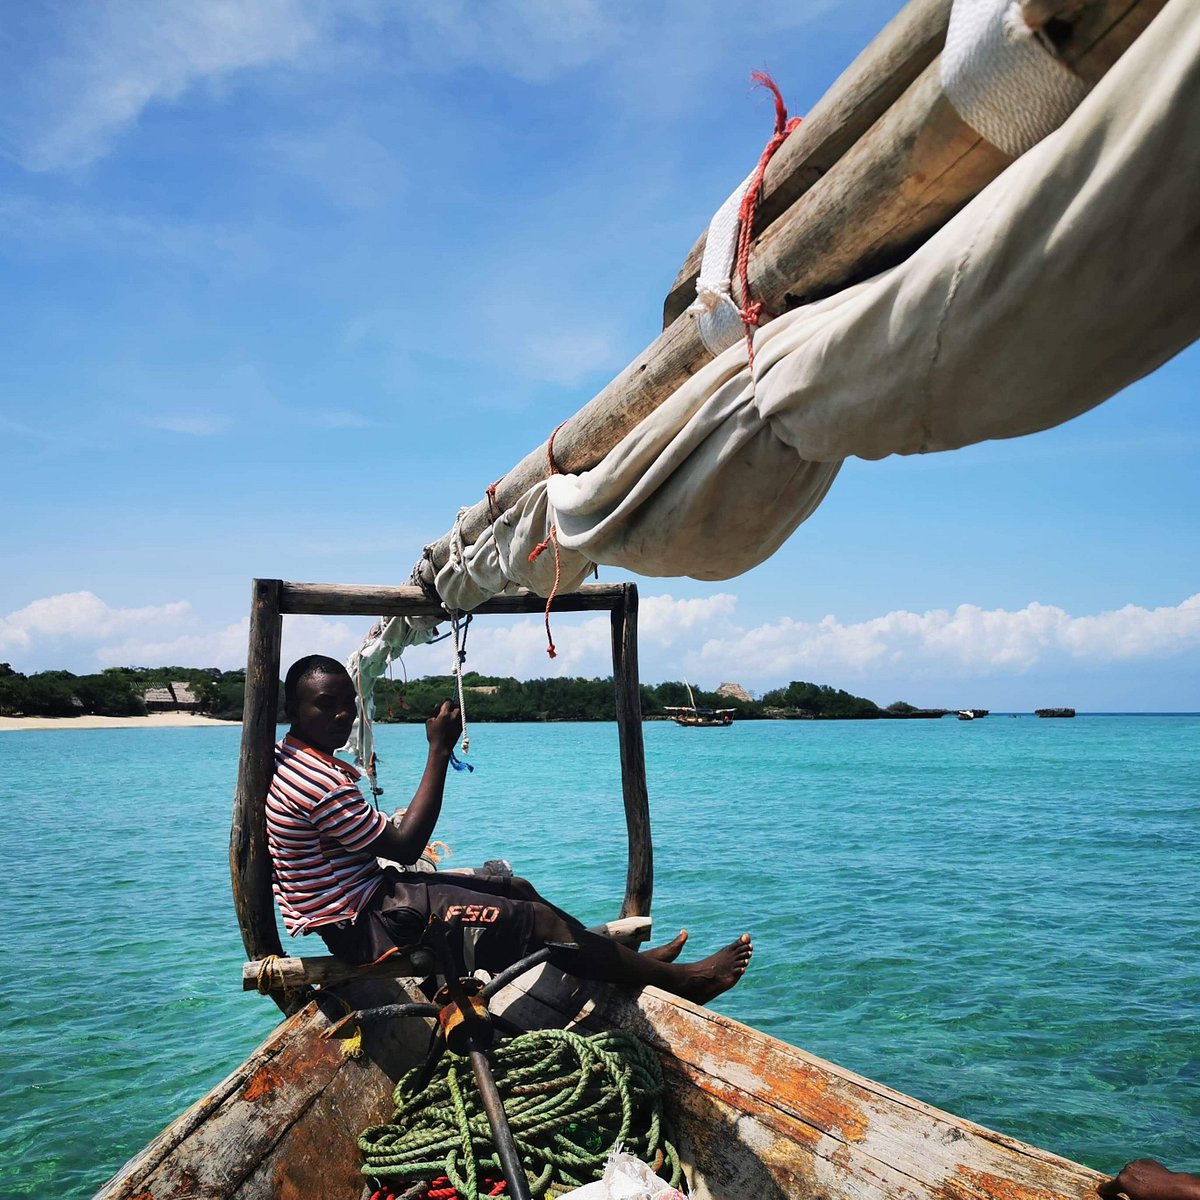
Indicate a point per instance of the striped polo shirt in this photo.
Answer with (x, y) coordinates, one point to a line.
(318, 828)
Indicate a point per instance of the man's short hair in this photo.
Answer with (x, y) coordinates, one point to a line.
(306, 668)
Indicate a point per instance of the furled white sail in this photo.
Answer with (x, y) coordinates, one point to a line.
(1070, 276)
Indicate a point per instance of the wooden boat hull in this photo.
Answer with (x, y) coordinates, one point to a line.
(753, 1115)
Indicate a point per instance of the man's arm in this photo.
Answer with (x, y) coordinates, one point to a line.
(1145, 1179)
(406, 843)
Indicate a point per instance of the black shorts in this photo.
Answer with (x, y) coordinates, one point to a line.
(487, 926)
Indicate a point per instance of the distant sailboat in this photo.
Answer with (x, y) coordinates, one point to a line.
(699, 718)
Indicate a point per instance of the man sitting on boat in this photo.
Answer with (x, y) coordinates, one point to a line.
(325, 840)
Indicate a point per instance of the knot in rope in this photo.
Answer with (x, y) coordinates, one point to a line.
(270, 975)
(569, 1099)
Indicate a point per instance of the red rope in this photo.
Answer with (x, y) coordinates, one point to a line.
(441, 1189)
(751, 311)
(493, 514)
(551, 540)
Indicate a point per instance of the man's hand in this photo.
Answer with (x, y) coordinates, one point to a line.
(443, 728)
(1145, 1179)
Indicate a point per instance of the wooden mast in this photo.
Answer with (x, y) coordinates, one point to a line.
(858, 209)
(249, 860)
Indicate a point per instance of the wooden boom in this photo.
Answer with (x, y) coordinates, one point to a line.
(899, 182)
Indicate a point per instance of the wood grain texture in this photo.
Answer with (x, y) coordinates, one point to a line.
(752, 1115)
(383, 600)
(857, 99)
(639, 879)
(249, 858)
(1093, 36)
(291, 1112)
(324, 969)
(756, 1116)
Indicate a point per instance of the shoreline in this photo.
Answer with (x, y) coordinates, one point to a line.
(151, 721)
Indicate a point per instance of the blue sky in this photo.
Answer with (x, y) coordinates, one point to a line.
(286, 283)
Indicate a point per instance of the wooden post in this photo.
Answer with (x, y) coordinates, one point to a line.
(639, 880)
(249, 860)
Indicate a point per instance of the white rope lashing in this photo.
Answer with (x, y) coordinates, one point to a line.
(460, 655)
(718, 318)
(1000, 78)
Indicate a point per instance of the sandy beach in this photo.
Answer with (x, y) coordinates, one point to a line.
(153, 721)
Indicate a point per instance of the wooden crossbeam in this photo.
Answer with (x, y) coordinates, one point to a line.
(279, 974)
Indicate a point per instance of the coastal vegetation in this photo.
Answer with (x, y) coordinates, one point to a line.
(116, 691)
(119, 692)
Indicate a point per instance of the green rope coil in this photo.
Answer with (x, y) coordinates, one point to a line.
(570, 1099)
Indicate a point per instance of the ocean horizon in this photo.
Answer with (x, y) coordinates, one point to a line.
(999, 920)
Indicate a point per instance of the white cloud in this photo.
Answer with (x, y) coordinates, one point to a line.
(68, 619)
(119, 56)
(583, 644)
(341, 162)
(566, 357)
(969, 639)
(533, 40)
(78, 631)
(226, 648)
(30, 223)
(191, 424)
(519, 649)
(663, 620)
(695, 637)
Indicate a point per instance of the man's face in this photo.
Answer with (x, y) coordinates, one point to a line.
(324, 710)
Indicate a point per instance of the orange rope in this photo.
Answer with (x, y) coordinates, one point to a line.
(551, 540)
(751, 311)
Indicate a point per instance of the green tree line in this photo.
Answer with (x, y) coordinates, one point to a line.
(118, 692)
(115, 691)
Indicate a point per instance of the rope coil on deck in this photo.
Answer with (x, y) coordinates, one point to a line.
(570, 1099)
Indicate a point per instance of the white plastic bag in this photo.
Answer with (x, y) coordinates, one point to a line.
(625, 1178)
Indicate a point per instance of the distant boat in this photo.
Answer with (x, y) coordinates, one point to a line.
(699, 718)
(965, 714)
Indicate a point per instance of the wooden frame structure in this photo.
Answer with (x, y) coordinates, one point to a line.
(272, 599)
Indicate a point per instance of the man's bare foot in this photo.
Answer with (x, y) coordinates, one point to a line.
(670, 951)
(711, 976)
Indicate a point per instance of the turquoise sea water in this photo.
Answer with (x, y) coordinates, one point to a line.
(1000, 918)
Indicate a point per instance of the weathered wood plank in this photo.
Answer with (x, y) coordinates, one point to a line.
(1037, 14)
(381, 600)
(857, 99)
(288, 1116)
(750, 1110)
(281, 973)
(1096, 34)
(756, 1109)
(249, 860)
(938, 1153)
(908, 175)
(639, 878)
